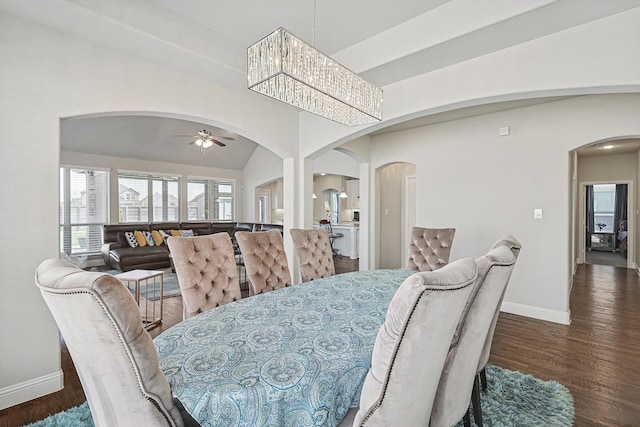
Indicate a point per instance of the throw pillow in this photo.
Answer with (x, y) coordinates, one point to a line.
(142, 241)
(165, 235)
(148, 238)
(176, 233)
(186, 233)
(157, 238)
(131, 239)
(121, 239)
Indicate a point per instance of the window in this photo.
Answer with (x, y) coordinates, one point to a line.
(83, 209)
(148, 198)
(210, 199)
(604, 202)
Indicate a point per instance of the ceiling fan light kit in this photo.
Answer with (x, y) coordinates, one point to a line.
(204, 139)
(284, 67)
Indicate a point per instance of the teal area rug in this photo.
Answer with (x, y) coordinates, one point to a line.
(512, 399)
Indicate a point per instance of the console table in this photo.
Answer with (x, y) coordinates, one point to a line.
(148, 278)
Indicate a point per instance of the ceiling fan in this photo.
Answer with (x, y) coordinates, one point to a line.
(204, 139)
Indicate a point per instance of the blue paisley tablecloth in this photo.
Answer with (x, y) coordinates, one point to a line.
(292, 357)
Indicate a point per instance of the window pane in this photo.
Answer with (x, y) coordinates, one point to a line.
(210, 199)
(604, 198)
(197, 197)
(166, 205)
(133, 198)
(83, 209)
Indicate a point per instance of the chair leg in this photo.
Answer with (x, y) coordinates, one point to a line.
(483, 378)
(475, 399)
(467, 419)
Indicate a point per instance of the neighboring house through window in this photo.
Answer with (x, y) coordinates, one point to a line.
(210, 199)
(135, 204)
(83, 209)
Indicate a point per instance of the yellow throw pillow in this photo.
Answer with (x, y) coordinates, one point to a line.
(157, 238)
(176, 233)
(139, 235)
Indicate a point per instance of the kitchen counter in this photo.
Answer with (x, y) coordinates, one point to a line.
(347, 244)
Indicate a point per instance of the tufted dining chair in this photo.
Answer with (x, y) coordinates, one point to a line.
(206, 271)
(113, 354)
(265, 260)
(514, 246)
(411, 346)
(313, 249)
(429, 248)
(457, 383)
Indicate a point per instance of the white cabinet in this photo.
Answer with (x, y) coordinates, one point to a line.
(347, 244)
(353, 192)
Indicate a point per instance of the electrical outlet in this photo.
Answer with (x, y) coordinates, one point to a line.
(537, 213)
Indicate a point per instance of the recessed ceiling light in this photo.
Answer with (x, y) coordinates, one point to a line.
(607, 147)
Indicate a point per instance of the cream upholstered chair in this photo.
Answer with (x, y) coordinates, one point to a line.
(313, 249)
(113, 354)
(429, 248)
(264, 259)
(206, 270)
(457, 383)
(514, 246)
(411, 347)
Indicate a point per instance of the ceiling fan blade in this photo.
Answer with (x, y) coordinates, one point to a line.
(221, 144)
(228, 138)
(190, 136)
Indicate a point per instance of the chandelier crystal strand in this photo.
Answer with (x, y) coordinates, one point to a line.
(284, 67)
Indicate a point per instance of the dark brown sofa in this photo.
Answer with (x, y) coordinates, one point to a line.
(118, 255)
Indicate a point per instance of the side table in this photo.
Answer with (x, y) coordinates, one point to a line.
(149, 278)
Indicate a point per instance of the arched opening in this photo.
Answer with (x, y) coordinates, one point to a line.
(604, 198)
(395, 189)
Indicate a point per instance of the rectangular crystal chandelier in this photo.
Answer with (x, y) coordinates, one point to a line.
(285, 68)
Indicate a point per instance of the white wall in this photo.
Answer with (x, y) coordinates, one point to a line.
(620, 167)
(45, 76)
(485, 185)
(263, 167)
(336, 163)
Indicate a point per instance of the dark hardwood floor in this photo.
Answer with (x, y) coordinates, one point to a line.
(596, 357)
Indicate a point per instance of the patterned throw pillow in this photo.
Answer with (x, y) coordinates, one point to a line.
(148, 238)
(131, 239)
(142, 241)
(176, 233)
(186, 233)
(157, 237)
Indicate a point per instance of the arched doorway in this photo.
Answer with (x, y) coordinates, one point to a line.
(395, 201)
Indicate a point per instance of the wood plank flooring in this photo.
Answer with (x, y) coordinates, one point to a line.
(596, 357)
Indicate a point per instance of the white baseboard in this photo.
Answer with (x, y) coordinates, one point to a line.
(29, 390)
(562, 317)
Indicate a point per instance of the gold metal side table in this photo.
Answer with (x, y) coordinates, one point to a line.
(138, 277)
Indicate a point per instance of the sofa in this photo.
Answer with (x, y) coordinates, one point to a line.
(119, 253)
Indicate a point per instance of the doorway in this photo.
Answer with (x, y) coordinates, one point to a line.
(606, 230)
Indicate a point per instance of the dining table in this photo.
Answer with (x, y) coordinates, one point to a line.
(296, 356)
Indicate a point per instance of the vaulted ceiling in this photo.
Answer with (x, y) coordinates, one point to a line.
(385, 41)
